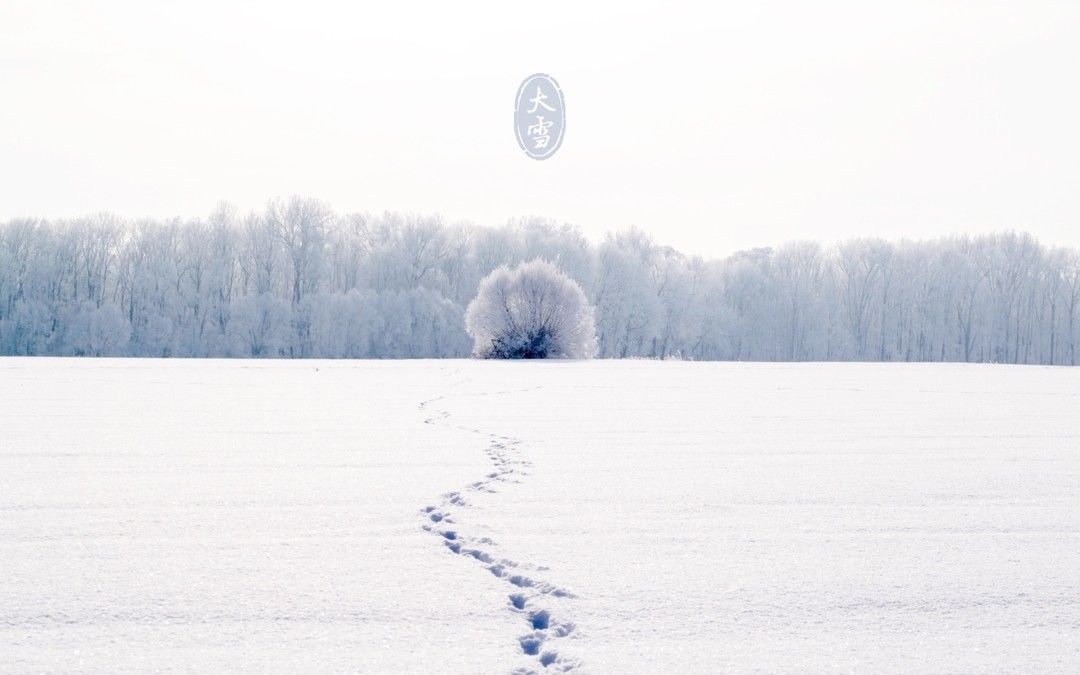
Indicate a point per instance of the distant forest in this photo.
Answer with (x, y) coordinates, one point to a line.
(298, 281)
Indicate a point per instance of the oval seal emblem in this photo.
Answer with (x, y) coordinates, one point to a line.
(539, 116)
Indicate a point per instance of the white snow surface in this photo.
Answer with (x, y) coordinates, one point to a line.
(320, 516)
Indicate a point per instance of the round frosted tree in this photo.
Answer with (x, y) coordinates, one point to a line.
(533, 311)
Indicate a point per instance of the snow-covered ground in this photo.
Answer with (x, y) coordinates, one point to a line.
(643, 516)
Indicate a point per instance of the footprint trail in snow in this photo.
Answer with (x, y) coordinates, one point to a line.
(528, 597)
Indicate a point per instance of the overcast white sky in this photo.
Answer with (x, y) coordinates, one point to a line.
(748, 124)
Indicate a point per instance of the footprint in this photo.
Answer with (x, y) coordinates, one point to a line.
(530, 644)
(479, 555)
(540, 620)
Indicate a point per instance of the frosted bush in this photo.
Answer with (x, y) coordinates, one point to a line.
(533, 311)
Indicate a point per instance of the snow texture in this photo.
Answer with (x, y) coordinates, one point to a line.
(489, 516)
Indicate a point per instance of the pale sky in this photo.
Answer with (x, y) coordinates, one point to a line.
(712, 126)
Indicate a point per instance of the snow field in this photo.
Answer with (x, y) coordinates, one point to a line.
(461, 516)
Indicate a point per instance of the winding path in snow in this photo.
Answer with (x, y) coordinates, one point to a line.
(526, 599)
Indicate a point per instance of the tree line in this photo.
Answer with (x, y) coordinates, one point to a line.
(297, 280)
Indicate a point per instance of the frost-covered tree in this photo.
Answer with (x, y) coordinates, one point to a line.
(533, 311)
(97, 331)
(626, 298)
(296, 280)
(260, 325)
